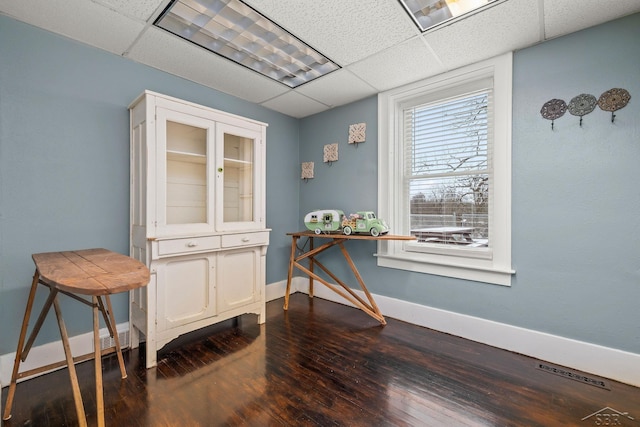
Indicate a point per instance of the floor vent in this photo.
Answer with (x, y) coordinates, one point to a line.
(572, 375)
(107, 341)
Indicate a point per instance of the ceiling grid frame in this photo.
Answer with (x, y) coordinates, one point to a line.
(373, 42)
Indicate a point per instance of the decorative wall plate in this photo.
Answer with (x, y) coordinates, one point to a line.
(553, 109)
(613, 100)
(307, 170)
(582, 105)
(330, 152)
(357, 133)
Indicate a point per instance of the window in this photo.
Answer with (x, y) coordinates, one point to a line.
(445, 173)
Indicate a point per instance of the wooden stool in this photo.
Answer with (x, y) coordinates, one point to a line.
(95, 273)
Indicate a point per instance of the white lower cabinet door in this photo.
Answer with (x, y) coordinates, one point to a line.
(238, 274)
(186, 290)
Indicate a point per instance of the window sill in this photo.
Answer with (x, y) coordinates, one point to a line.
(448, 250)
(418, 264)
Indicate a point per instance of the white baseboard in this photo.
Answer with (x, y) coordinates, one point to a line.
(598, 360)
(53, 352)
(277, 290)
(605, 362)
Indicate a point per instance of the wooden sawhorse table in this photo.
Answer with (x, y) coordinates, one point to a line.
(95, 273)
(337, 239)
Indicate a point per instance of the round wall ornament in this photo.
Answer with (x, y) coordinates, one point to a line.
(613, 100)
(582, 105)
(553, 109)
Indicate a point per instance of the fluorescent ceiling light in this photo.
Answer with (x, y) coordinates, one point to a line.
(429, 13)
(235, 31)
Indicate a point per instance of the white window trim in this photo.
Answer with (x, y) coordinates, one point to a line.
(492, 266)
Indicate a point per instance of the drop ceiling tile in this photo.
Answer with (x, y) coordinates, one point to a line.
(507, 26)
(159, 49)
(139, 9)
(583, 15)
(81, 20)
(337, 88)
(344, 31)
(405, 63)
(375, 42)
(295, 105)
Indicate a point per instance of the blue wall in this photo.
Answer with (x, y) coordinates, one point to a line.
(64, 166)
(576, 239)
(64, 161)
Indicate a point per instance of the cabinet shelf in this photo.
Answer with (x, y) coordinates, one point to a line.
(236, 163)
(183, 156)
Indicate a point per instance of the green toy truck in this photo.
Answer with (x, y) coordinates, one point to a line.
(364, 222)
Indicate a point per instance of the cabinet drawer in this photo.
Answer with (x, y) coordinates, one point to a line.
(245, 239)
(193, 244)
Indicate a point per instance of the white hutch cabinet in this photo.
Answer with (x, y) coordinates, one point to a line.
(197, 218)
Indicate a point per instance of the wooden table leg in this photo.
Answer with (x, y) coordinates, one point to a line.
(23, 334)
(112, 321)
(292, 257)
(36, 328)
(370, 307)
(311, 261)
(77, 397)
(356, 273)
(98, 362)
(349, 295)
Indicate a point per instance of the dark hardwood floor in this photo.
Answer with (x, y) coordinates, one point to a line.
(325, 364)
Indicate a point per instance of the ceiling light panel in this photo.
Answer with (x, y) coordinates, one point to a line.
(234, 30)
(429, 13)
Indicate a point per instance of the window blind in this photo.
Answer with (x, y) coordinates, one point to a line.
(448, 168)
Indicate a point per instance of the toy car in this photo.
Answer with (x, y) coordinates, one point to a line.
(364, 222)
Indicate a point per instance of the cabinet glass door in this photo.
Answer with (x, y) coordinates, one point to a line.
(184, 193)
(236, 177)
(186, 174)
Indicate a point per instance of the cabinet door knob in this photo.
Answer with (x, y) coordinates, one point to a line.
(245, 239)
(192, 244)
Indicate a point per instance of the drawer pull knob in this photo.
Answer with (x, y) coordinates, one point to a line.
(192, 244)
(245, 239)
